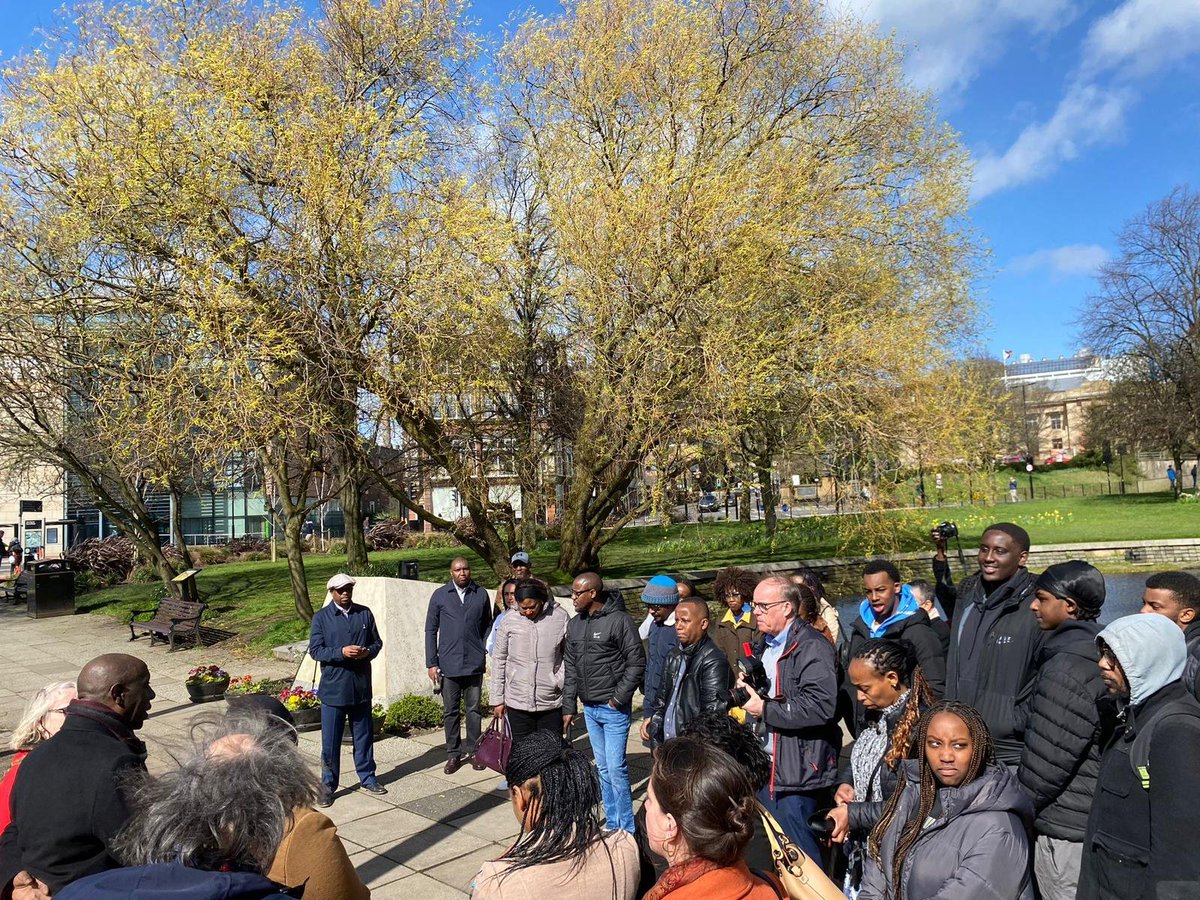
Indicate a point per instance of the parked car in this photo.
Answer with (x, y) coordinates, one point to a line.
(1056, 456)
(708, 503)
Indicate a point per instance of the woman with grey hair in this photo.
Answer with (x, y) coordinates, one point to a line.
(215, 823)
(42, 719)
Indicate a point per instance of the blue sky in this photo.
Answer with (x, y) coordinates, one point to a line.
(1077, 113)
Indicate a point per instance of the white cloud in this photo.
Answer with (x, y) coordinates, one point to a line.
(950, 43)
(1140, 37)
(1086, 116)
(1062, 262)
(1135, 40)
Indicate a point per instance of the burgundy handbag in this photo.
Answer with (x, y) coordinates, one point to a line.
(495, 744)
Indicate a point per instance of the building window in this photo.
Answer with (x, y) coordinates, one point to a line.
(1057, 443)
(1056, 421)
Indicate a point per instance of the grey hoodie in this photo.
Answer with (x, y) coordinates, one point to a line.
(975, 849)
(1151, 649)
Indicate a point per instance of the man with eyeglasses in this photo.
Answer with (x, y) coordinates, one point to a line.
(798, 710)
(603, 662)
(343, 639)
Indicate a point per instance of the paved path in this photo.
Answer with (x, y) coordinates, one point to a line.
(426, 838)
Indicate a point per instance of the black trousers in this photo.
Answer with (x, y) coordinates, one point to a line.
(462, 690)
(524, 723)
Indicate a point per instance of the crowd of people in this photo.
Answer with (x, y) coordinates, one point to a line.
(981, 739)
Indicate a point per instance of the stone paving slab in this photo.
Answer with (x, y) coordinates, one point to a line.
(426, 838)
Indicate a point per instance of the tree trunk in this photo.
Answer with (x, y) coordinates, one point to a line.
(577, 552)
(744, 504)
(769, 497)
(177, 536)
(295, 558)
(356, 541)
(527, 480)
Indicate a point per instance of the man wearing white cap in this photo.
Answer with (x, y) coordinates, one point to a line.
(344, 640)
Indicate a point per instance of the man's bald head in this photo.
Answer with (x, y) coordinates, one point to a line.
(590, 580)
(121, 682)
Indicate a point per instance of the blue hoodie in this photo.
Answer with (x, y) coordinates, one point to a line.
(905, 607)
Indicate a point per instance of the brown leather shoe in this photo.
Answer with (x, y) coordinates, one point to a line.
(476, 764)
(453, 764)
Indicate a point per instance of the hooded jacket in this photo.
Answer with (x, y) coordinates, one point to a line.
(706, 680)
(1140, 842)
(603, 657)
(993, 643)
(1063, 731)
(800, 713)
(975, 848)
(907, 622)
(527, 661)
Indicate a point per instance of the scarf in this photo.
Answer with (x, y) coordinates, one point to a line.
(866, 758)
(679, 875)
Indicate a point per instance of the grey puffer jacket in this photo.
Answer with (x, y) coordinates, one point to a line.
(976, 849)
(527, 661)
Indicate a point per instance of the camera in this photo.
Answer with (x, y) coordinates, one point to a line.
(754, 675)
(945, 530)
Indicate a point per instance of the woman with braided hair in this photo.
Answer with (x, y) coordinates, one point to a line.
(700, 815)
(892, 689)
(555, 790)
(957, 825)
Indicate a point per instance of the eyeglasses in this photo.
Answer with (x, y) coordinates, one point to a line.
(344, 590)
(580, 593)
(763, 607)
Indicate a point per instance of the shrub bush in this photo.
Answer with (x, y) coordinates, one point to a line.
(337, 547)
(553, 531)
(413, 711)
(209, 556)
(435, 540)
(144, 575)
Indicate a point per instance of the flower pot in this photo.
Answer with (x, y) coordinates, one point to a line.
(307, 719)
(207, 691)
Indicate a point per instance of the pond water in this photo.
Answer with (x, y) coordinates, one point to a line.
(1123, 597)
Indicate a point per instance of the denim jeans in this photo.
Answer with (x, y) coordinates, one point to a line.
(608, 731)
(792, 812)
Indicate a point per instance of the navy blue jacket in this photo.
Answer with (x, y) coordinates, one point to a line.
(456, 630)
(173, 881)
(662, 641)
(344, 682)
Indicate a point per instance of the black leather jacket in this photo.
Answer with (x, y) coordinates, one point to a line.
(707, 679)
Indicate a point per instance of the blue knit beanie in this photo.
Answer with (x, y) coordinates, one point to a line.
(660, 591)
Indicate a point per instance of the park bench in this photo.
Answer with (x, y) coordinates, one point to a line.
(16, 590)
(175, 616)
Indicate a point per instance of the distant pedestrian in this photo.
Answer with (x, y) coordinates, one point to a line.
(343, 639)
(1141, 833)
(1064, 728)
(1193, 482)
(1171, 477)
(456, 627)
(1012, 490)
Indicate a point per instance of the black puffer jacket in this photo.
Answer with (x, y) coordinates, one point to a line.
(707, 679)
(1003, 639)
(1063, 731)
(1191, 669)
(603, 657)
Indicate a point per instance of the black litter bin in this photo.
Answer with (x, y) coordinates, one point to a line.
(51, 589)
(409, 568)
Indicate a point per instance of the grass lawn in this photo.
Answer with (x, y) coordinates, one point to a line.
(253, 598)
